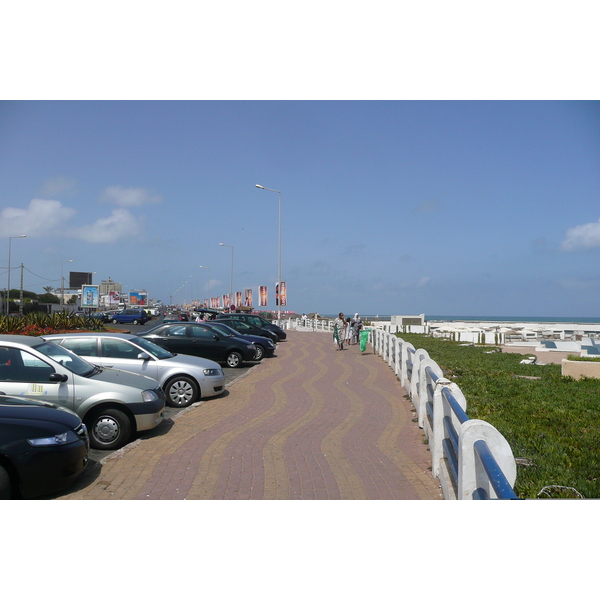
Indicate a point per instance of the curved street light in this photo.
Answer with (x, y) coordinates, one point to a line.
(262, 187)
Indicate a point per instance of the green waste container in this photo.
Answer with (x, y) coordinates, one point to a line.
(364, 338)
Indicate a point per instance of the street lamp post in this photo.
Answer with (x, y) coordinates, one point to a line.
(62, 284)
(201, 267)
(231, 278)
(10, 239)
(262, 187)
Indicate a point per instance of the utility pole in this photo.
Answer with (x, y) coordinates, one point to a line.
(21, 293)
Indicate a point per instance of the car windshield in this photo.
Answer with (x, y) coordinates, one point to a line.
(67, 359)
(224, 329)
(152, 348)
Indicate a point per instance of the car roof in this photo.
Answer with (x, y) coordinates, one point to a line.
(122, 336)
(25, 340)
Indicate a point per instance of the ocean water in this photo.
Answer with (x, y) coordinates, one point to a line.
(508, 319)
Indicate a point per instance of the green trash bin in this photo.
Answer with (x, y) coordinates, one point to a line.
(364, 338)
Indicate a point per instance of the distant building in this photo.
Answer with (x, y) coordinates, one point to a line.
(110, 293)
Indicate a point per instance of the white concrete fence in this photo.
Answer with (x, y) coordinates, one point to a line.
(470, 457)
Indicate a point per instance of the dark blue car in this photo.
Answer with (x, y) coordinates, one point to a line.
(43, 447)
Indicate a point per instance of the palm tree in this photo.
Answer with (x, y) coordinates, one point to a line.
(48, 289)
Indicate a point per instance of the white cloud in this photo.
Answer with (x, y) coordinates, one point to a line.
(40, 218)
(129, 197)
(582, 237)
(121, 225)
(423, 282)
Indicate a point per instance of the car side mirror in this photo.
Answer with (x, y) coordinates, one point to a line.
(59, 377)
(143, 356)
(216, 337)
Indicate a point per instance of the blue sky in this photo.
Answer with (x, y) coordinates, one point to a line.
(389, 207)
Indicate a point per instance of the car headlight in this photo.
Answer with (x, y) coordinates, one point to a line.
(60, 439)
(213, 372)
(149, 396)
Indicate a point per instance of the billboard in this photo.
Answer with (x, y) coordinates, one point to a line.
(77, 280)
(90, 296)
(238, 298)
(138, 298)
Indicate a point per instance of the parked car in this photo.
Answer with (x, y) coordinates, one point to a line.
(43, 448)
(257, 322)
(265, 347)
(173, 318)
(199, 340)
(185, 379)
(248, 328)
(113, 404)
(101, 316)
(136, 316)
(205, 313)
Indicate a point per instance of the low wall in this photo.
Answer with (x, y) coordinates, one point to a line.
(580, 368)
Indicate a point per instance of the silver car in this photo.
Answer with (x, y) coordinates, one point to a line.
(184, 379)
(113, 404)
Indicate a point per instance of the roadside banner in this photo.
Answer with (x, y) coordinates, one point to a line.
(248, 297)
(263, 295)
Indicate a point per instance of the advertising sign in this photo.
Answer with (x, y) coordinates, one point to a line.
(138, 298)
(90, 296)
(248, 298)
(114, 297)
(238, 298)
(283, 294)
(263, 295)
(77, 279)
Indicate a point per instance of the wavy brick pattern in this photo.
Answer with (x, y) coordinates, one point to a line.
(312, 423)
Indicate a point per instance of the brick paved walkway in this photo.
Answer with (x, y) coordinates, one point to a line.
(311, 423)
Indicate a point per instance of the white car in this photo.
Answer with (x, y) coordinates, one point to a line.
(185, 379)
(113, 404)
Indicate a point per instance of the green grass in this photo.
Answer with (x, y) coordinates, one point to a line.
(553, 421)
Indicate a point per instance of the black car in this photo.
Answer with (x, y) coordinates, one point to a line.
(43, 447)
(257, 322)
(198, 339)
(247, 328)
(265, 347)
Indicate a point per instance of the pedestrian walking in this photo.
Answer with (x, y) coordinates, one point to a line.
(339, 331)
(357, 326)
(348, 332)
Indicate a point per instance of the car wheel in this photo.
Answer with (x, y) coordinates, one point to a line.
(115, 321)
(181, 392)
(234, 359)
(5, 484)
(260, 352)
(135, 322)
(109, 429)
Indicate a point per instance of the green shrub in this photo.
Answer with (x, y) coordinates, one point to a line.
(43, 324)
(550, 421)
